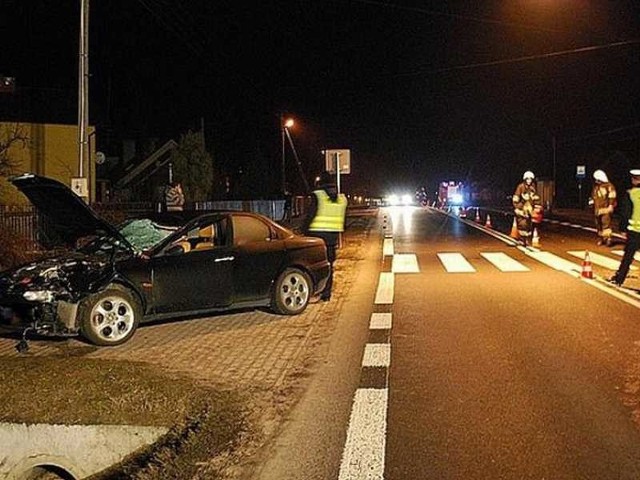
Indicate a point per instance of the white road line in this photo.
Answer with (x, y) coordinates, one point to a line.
(455, 263)
(384, 294)
(376, 355)
(405, 263)
(598, 259)
(553, 261)
(387, 247)
(380, 321)
(364, 450)
(620, 253)
(504, 262)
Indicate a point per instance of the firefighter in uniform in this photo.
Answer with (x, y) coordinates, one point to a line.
(631, 216)
(326, 220)
(603, 198)
(526, 204)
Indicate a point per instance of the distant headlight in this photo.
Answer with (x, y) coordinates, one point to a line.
(392, 199)
(407, 199)
(38, 296)
(456, 199)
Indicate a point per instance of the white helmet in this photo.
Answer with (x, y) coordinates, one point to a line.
(600, 176)
(528, 174)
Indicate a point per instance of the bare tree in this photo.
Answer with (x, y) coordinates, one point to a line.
(10, 135)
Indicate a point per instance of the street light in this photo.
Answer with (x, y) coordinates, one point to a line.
(285, 125)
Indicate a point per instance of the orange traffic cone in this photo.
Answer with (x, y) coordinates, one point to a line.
(478, 216)
(514, 230)
(487, 224)
(535, 240)
(587, 272)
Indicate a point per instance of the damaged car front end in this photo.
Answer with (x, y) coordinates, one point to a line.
(43, 297)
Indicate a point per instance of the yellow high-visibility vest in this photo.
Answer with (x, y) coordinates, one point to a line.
(634, 221)
(330, 215)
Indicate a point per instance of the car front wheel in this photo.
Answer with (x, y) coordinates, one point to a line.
(291, 293)
(110, 317)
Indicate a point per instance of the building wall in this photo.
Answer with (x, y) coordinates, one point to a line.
(51, 151)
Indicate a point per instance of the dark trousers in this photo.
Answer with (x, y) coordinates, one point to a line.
(630, 248)
(331, 256)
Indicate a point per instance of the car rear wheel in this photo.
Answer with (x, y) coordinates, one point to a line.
(110, 317)
(291, 293)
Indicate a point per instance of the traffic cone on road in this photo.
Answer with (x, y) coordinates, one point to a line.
(514, 230)
(535, 240)
(478, 216)
(587, 271)
(487, 224)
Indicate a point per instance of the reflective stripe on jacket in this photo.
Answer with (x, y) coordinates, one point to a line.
(634, 220)
(329, 215)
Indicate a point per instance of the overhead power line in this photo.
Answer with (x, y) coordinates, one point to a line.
(527, 58)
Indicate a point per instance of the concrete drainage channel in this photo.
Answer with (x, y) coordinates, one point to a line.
(67, 451)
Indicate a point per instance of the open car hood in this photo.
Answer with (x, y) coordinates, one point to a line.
(64, 217)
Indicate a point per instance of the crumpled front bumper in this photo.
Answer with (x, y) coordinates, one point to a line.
(57, 318)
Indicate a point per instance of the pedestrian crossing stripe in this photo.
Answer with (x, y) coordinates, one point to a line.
(405, 263)
(620, 253)
(598, 259)
(455, 263)
(555, 262)
(504, 262)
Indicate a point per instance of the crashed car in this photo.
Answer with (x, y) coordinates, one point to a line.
(148, 269)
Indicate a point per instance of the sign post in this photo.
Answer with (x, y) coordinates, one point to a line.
(581, 173)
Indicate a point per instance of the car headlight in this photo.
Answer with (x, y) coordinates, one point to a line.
(38, 296)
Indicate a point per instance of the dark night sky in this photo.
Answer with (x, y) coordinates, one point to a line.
(419, 91)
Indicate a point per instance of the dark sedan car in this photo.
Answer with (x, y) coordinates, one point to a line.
(146, 269)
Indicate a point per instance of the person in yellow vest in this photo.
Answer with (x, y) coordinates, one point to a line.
(326, 220)
(631, 216)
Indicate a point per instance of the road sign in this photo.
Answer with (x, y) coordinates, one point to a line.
(581, 171)
(331, 158)
(79, 186)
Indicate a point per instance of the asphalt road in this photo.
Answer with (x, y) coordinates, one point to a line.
(484, 360)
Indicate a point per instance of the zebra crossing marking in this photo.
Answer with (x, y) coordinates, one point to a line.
(599, 259)
(455, 263)
(405, 263)
(620, 253)
(504, 262)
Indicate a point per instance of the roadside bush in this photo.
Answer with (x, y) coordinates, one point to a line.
(14, 249)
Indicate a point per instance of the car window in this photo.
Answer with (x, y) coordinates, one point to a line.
(249, 229)
(205, 236)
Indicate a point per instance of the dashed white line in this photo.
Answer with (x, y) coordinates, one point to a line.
(364, 450)
(376, 355)
(387, 247)
(384, 294)
(380, 321)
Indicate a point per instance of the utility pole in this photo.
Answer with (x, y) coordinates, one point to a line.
(83, 90)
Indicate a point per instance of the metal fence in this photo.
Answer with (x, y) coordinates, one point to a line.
(22, 221)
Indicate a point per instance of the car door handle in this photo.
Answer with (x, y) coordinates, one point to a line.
(224, 259)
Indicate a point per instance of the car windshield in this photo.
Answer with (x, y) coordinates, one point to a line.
(145, 234)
